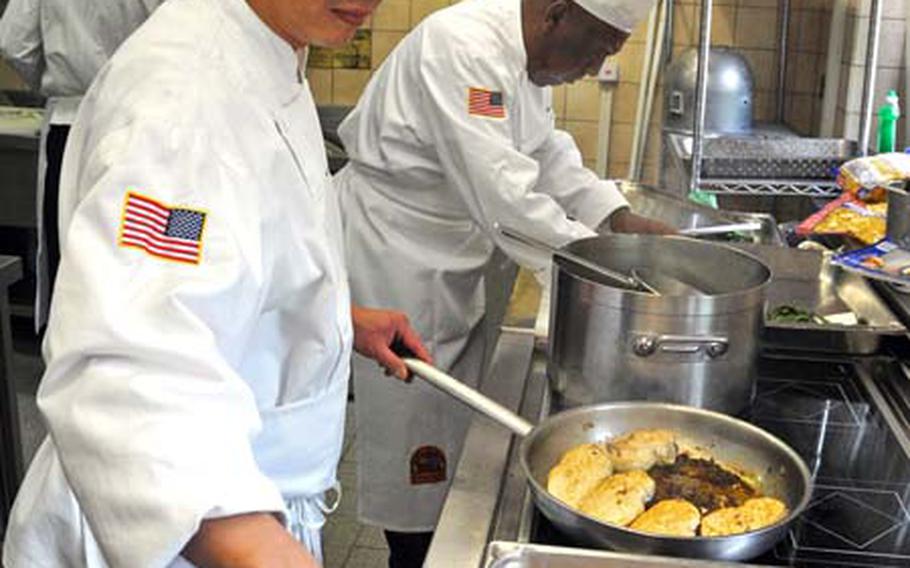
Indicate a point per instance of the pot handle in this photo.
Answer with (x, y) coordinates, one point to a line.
(645, 345)
(464, 393)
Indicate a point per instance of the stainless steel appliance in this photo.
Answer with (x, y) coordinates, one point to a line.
(848, 418)
(730, 93)
(610, 344)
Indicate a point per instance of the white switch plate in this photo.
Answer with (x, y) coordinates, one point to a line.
(609, 71)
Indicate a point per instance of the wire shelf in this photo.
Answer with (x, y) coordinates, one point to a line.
(808, 188)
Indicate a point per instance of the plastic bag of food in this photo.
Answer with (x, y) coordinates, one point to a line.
(847, 215)
(867, 178)
(884, 260)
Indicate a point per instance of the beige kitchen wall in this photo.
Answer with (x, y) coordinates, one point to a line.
(809, 30)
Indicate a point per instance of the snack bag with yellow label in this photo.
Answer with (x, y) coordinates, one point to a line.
(867, 178)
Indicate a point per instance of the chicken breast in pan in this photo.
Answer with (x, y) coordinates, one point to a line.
(620, 498)
(579, 471)
(642, 449)
(752, 515)
(671, 517)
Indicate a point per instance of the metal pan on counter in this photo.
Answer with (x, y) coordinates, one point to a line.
(781, 472)
(804, 279)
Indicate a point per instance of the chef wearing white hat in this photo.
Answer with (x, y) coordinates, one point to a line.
(455, 133)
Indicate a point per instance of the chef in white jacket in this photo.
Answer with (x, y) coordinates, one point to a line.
(58, 46)
(199, 339)
(453, 134)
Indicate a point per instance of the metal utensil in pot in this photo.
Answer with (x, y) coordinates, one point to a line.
(623, 280)
(782, 473)
(721, 229)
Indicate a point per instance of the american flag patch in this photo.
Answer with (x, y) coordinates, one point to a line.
(483, 102)
(172, 233)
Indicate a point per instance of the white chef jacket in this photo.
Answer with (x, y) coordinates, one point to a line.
(179, 391)
(430, 174)
(58, 46)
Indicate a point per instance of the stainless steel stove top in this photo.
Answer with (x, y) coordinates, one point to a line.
(835, 416)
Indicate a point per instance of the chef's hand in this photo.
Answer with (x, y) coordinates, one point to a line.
(376, 330)
(246, 541)
(624, 221)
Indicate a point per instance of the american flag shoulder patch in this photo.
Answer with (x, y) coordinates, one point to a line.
(484, 102)
(161, 230)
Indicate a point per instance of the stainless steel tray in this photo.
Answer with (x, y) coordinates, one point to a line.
(770, 152)
(805, 279)
(684, 214)
(782, 158)
(524, 555)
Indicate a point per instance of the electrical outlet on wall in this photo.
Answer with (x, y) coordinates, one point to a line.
(609, 71)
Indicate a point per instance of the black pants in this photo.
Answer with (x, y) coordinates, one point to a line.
(56, 142)
(407, 550)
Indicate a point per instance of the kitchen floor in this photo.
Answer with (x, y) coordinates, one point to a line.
(346, 543)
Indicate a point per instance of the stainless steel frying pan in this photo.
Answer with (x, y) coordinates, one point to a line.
(782, 473)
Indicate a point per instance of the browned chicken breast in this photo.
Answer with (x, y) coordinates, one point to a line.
(751, 515)
(673, 517)
(620, 498)
(642, 449)
(578, 472)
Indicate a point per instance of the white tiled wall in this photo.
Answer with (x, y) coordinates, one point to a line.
(892, 65)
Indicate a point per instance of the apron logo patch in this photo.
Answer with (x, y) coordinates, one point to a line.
(163, 231)
(484, 102)
(428, 465)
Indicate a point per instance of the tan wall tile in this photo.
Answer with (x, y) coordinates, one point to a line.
(320, 81)
(621, 142)
(808, 74)
(722, 25)
(585, 135)
(639, 33)
(420, 9)
(764, 68)
(756, 27)
(759, 3)
(617, 169)
(392, 15)
(583, 100)
(630, 60)
(625, 103)
(764, 106)
(685, 25)
(383, 44)
(348, 84)
(801, 114)
(559, 101)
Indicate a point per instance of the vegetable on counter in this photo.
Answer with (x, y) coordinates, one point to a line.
(786, 313)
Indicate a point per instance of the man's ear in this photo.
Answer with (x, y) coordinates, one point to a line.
(556, 11)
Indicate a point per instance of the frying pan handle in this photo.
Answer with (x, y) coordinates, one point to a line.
(462, 392)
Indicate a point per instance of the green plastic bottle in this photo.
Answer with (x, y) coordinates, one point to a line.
(887, 123)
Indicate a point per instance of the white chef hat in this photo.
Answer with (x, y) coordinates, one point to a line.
(621, 14)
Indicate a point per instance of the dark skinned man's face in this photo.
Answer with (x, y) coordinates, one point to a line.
(572, 43)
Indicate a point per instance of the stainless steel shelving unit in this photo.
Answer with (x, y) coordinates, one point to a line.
(775, 187)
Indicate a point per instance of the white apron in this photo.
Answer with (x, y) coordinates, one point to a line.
(178, 391)
(57, 111)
